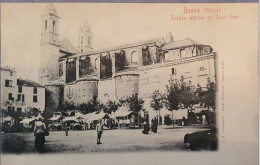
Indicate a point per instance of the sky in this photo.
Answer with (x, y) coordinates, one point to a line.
(111, 24)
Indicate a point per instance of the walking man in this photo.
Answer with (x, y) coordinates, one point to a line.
(99, 129)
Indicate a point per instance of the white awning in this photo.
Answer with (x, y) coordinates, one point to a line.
(99, 116)
(8, 118)
(72, 118)
(55, 118)
(200, 109)
(122, 112)
(27, 120)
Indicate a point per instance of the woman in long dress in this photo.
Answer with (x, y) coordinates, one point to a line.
(39, 135)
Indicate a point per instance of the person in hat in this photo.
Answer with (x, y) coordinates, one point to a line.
(39, 129)
(99, 129)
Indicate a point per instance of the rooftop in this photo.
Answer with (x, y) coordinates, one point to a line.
(27, 83)
(120, 47)
(180, 44)
(67, 47)
(7, 68)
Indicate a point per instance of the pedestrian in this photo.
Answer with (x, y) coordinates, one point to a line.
(67, 129)
(39, 134)
(203, 119)
(146, 128)
(154, 125)
(99, 129)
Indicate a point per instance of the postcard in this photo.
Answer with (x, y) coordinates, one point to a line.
(129, 83)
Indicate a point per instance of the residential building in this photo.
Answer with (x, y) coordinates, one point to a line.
(20, 95)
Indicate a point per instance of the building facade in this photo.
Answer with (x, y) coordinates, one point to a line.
(20, 95)
(118, 72)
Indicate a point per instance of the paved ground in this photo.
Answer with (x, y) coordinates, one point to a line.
(117, 140)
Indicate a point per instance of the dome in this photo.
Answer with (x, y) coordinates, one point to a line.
(51, 7)
(85, 25)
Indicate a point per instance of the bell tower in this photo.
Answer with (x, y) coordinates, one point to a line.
(85, 38)
(50, 25)
(49, 45)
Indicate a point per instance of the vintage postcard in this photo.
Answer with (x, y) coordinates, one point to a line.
(129, 83)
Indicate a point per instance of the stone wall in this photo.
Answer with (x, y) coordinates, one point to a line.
(126, 85)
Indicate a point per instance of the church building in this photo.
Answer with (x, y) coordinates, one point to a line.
(78, 74)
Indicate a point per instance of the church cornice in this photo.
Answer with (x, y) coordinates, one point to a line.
(178, 62)
(51, 43)
(51, 15)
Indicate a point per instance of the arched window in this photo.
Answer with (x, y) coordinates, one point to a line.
(96, 63)
(54, 26)
(134, 57)
(45, 24)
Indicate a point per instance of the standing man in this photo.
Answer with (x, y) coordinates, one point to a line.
(99, 129)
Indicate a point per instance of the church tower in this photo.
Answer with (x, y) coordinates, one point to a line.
(85, 38)
(49, 45)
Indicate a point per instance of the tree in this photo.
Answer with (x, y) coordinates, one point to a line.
(208, 99)
(157, 102)
(111, 106)
(91, 106)
(134, 103)
(188, 97)
(65, 107)
(172, 97)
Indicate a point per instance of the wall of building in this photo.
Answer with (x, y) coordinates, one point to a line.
(5, 102)
(70, 92)
(54, 95)
(49, 69)
(106, 90)
(86, 90)
(28, 93)
(81, 91)
(126, 85)
(156, 77)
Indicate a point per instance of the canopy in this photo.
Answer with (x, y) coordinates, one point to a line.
(87, 116)
(39, 116)
(122, 112)
(72, 118)
(99, 116)
(55, 118)
(8, 118)
(200, 109)
(27, 120)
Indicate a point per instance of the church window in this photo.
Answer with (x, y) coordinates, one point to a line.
(46, 24)
(54, 26)
(173, 71)
(134, 57)
(96, 63)
(81, 50)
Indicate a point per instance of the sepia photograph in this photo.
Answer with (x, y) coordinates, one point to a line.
(121, 78)
(151, 94)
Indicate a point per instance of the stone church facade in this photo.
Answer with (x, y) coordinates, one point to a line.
(110, 74)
